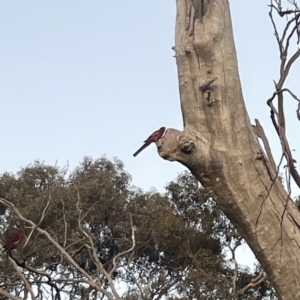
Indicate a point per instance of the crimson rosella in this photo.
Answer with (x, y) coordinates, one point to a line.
(13, 241)
(155, 136)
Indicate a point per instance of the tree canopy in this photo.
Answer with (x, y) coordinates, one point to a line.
(88, 233)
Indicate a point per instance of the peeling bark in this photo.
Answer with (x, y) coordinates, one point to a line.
(220, 148)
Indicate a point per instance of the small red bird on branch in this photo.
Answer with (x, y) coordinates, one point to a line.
(13, 241)
(155, 136)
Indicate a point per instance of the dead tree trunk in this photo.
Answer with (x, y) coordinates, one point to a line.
(220, 147)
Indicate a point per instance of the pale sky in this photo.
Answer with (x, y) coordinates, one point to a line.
(87, 78)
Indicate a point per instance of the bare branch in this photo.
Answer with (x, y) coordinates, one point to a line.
(10, 296)
(236, 265)
(278, 117)
(254, 282)
(65, 223)
(275, 30)
(22, 277)
(292, 94)
(261, 134)
(286, 70)
(126, 251)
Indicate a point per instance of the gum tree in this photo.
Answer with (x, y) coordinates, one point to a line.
(220, 146)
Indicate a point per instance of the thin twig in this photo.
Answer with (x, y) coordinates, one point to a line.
(22, 277)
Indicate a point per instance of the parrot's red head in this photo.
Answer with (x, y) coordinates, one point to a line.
(162, 130)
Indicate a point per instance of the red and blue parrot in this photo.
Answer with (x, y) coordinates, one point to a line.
(155, 136)
(12, 242)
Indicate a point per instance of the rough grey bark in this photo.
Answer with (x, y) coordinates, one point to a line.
(220, 148)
